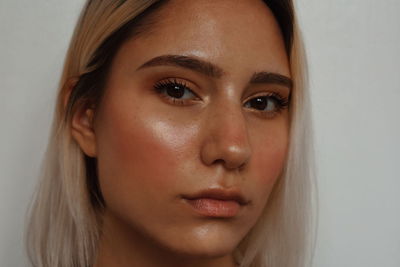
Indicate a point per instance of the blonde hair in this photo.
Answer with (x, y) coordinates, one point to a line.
(65, 217)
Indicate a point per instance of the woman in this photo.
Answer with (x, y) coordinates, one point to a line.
(180, 139)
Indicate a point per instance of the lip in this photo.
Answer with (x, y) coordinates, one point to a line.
(216, 202)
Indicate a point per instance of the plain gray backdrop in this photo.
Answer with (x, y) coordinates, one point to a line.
(354, 59)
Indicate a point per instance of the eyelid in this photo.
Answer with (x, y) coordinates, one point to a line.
(162, 84)
(192, 86)
(282, 103)
(267, 93)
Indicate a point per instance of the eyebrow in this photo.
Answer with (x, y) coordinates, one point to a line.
(213, 71)
(274, 78)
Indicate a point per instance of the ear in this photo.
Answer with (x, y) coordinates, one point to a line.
(82, 129)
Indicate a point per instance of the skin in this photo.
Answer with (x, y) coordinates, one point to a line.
(150, 150)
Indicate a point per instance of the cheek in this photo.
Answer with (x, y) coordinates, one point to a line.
(142, 153)
(269, 156)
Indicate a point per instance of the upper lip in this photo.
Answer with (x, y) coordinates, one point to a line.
(219, 194)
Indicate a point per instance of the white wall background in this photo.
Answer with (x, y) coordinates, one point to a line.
(354, 59)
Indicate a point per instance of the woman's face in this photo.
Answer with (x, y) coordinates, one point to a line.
(192, 131)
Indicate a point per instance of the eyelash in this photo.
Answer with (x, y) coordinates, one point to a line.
(160, 87)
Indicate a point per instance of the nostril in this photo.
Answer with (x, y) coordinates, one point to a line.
(219, 161)
(244, 164)
(233, 158)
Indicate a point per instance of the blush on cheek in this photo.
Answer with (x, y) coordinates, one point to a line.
(152, 149)
(269, 162)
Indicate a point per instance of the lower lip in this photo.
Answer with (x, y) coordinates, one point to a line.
(215, 207)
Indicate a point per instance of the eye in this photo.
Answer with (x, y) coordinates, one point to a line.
(175, 91)
(268, 105)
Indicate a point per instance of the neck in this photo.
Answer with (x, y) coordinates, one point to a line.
(120, 246)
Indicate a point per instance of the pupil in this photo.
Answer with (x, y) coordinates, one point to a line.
(175, 91)
(259, 103)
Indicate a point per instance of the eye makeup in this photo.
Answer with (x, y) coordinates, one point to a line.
(174, 90)
(268, 104)
(177, 92)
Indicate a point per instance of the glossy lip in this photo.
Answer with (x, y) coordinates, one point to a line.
(219, 194)
(216, 202)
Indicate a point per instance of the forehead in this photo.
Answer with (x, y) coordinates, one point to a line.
(237, 35)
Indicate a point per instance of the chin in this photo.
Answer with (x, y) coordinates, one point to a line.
(210, 249)
(204, 251)
(205, 242)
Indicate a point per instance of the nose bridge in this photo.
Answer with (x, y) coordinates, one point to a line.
(227, 139)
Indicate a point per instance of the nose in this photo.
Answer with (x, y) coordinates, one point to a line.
(226, 138)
